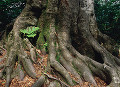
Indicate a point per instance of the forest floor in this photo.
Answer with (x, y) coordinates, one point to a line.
(40, 68)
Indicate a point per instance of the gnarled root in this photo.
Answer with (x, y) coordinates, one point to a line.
(81, 67)
(39, 82)
(17, 54)
(16, 46)
(52, 55)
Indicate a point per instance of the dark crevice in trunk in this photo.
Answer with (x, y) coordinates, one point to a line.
(82, 45)
(33, 40)
(98, 57)
(100, 40)
(108, 77)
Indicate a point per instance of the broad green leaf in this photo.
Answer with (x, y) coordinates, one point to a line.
(31, 35)
(24, 31)
(45, 44)
(30, 31)
(37, 28)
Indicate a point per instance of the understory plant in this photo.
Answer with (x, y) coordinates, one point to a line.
(30, 31)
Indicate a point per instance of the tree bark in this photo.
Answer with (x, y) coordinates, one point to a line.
(75, 45)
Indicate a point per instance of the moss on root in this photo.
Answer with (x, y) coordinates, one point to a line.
(44, 25)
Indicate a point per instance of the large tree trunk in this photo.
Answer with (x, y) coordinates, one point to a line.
(76, 46)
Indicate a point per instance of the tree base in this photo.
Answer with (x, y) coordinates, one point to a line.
(63, 57)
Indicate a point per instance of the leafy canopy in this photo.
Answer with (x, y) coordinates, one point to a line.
(9, 10)
(108, 17)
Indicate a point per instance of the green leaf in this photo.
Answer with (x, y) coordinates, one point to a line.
(33, 29)
(46, 44)
(31, 35)
(37, 28)
(30, 31)
(24, 31)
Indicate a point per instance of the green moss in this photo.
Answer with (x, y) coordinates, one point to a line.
(58, 57)
(44, 27)
(74, 82)
(44, 24)
(40, 41)
(76, 69)
(46, 31)
(58, 54)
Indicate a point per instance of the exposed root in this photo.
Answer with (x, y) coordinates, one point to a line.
(52, 54)
(15, 44)
(55, 84)
(61, 82)
(1, 75)
(109, 60)
(32, 50)
(80, 65)
(27, 64)
(20, 56)
(39, 82)
(70, 60)
(90, 66)
(18, 72)
(21, 73)
(8, 77)
(107, 56)
(70, 68)
(105, 72)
